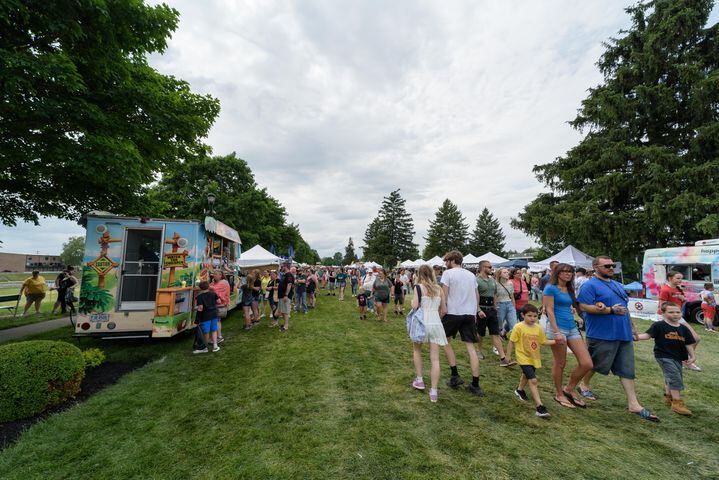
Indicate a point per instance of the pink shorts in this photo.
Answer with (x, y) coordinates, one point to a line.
(709, 311)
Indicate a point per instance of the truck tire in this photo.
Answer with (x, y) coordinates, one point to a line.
(696, 315)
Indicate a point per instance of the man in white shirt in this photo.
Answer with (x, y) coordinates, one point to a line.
(460, 290)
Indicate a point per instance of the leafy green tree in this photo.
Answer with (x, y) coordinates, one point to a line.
(487, 235)
(646, 172)
(239, 202)
(73, 251)
(350, 255)
(448, 231)
(85, 122)
(390, 236)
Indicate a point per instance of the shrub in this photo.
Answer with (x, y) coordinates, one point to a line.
(93, 357)
(37, 374)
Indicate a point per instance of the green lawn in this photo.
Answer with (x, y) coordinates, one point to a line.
(7, 320)
(331, 398)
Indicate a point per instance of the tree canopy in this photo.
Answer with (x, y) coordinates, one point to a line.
(73, 251)
(646, 172)
(85, 122)
(487, 235)
(239, 202)
(389, 238)
(447, 231)
(350, 255)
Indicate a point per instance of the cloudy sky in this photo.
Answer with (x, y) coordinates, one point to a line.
(336, 103)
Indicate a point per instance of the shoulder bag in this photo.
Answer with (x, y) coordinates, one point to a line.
(415, 321)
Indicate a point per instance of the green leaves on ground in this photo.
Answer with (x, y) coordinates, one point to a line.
(645, 174)
(85, 122)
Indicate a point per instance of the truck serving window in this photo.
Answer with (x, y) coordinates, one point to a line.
(701, 272)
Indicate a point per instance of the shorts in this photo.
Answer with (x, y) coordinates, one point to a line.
(34, 297)
(464, 324)
(285, 305)
(569, 334)
(383, 301)
(208, 326)
(672, 373)
(341, 284)
(489, 322)
(616, 356)
(398, 299)
(709, 311)
(529, 371)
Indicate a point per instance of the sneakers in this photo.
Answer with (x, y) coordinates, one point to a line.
(505, 363)
(433, 395)
(692, 366)
(679, 407)
(220, 339)
(418, 384)
(202, 350)
(474, 390)
(521, 394)
(542, 412)
(216, 349)
(455, 381)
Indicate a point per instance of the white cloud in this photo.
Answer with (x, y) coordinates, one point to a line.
(336, 103)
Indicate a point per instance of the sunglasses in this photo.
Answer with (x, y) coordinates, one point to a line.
(608, 265)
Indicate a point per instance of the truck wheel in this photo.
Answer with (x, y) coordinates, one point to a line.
(696, 315)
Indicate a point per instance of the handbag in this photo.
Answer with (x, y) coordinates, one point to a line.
(222, 311)
(415, 321)
(518, 295)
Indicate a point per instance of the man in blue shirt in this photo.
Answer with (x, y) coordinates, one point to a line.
(609, 333)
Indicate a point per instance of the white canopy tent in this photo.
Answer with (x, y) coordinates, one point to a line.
(435, 262)
(257, 257)
(570, 255)
(407, 264)
(493, 258)
(372, 265)
(470, 259)
(419, 262)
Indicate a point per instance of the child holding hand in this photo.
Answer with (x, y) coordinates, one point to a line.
(362, 303)
(527, 337)
(673, 344)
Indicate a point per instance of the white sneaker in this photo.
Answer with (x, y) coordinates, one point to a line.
(202, 350)
(495, 351)
(216, 349)
(220, 340)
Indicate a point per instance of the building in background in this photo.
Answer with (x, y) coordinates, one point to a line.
(21, 262)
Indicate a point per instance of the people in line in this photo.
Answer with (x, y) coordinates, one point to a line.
(673, 345)
(430, 297)
(525, 340)
(559, 305)
(460, 291)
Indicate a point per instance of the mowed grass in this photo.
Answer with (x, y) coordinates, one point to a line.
(6, 316)
(331, 398)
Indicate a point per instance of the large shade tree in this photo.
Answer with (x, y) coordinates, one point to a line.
(646, 172)
(85, 122)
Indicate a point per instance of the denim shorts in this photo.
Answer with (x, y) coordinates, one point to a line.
(569, 334)
(209, 326)
(672, 373)
(616, 356)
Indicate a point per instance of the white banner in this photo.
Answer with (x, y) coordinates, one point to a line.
(643, 308)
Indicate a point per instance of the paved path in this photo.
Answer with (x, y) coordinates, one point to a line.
(33, 328)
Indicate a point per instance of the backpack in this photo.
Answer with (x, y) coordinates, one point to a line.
(415, 321)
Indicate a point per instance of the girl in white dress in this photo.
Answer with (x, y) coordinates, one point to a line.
(433, 302)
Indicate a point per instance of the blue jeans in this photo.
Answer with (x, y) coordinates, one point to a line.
(301, 301)
(353, 284)
(506, 315)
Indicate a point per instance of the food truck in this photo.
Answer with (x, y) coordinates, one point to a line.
(698, 264)
(140, 275)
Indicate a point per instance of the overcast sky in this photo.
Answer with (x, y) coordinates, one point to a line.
(334, 103)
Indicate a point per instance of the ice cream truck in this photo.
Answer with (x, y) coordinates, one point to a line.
(140, 275)
(699, 264)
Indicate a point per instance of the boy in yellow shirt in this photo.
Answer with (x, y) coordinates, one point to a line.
(527, 337)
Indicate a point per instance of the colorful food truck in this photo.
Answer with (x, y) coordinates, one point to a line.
(140, 275)
(699, 264)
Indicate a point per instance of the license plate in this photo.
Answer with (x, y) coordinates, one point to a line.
(99, 317)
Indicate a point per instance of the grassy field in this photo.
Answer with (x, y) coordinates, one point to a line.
(7, 320)
(331, 398)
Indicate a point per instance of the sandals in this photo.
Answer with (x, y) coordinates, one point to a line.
(588, 394)
(646, 415)
(574, 401)
(564, 403)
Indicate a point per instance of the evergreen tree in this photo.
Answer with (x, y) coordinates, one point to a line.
(350, 255)
(448, 231)
(646, 173)
(487, 235)
(389, 237)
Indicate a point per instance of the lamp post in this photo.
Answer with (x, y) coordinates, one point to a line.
(211, 202)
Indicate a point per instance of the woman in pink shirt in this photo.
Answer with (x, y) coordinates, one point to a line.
(222, 288)
(520, 289)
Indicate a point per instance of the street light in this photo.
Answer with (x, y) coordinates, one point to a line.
(211, 202)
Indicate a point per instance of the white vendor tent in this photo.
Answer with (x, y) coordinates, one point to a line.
(493, 258)
(435, 262)
(372, 265)
(257, 257)
(470, 259)
(407, 264)
(570, 255)
(419, 262)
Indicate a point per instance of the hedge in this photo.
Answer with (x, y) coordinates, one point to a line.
(37, 374)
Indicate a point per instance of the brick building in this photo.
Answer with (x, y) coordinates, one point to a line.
(21, 262)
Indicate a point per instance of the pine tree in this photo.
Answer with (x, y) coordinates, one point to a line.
(389, 237)
(487, 235)
(646, 173)
(448, 231)
(350, 255)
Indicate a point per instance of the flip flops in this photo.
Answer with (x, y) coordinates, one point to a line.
(646, 415)
(574, 401)
(564, 403)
